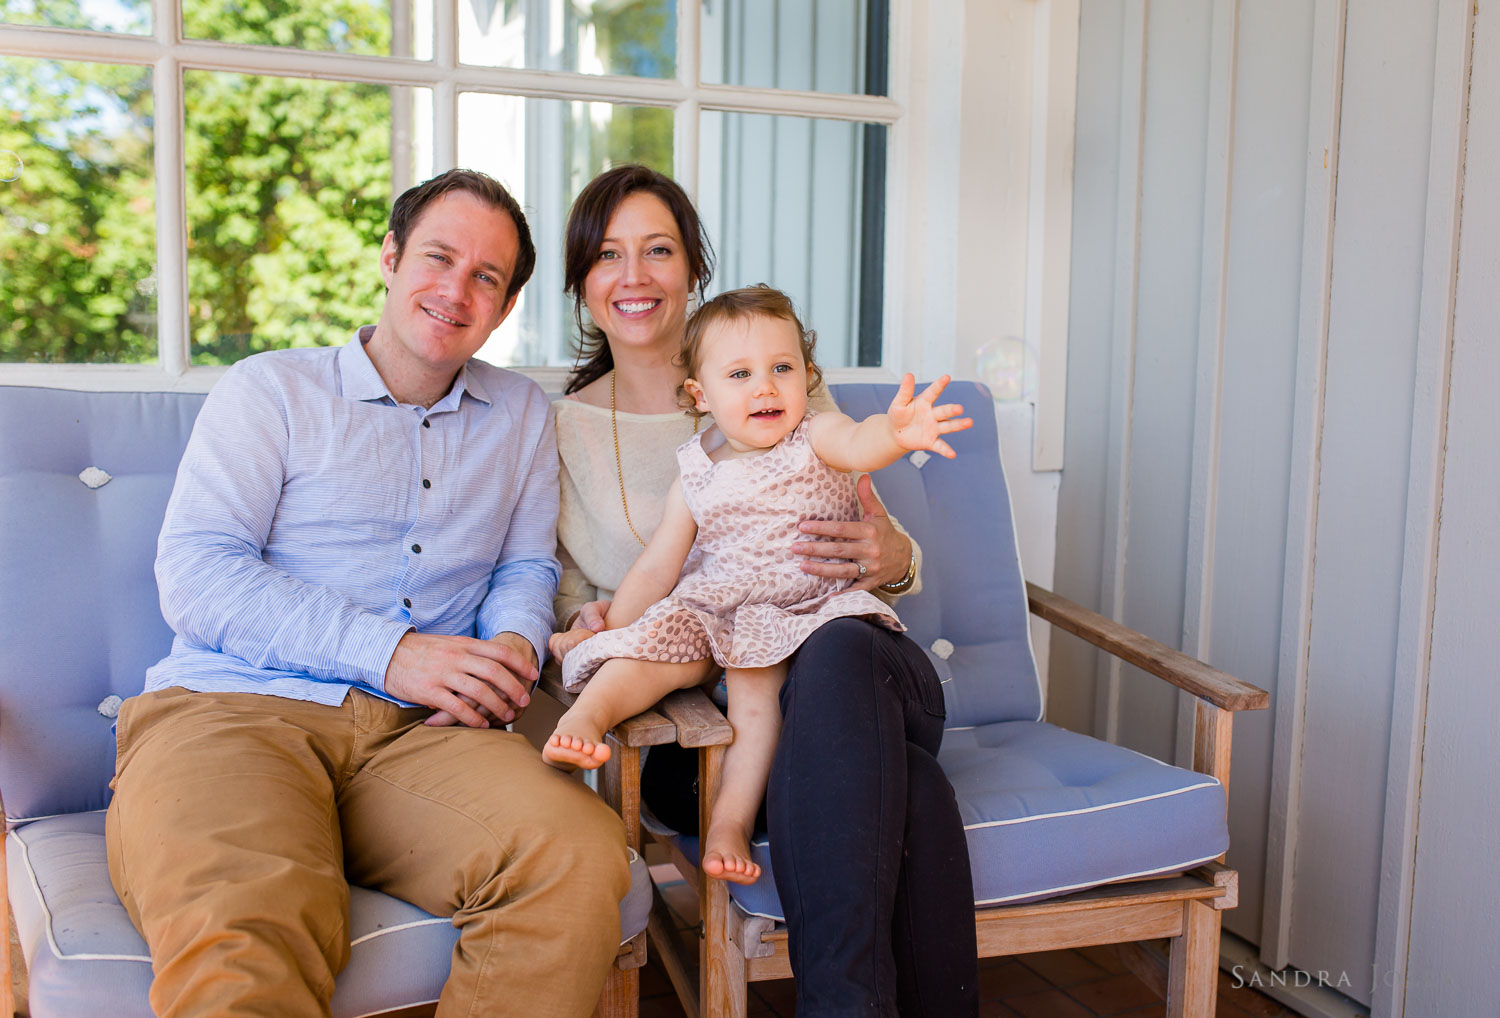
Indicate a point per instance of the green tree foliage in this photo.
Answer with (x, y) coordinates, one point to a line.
(288, 180)
(289, 186)
(288, 189)
(77, 224)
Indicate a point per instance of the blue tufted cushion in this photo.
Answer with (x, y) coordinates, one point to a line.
(1046, 811)
(84, 623)
(84, 957)
(973, 596)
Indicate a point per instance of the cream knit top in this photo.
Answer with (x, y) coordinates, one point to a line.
(595, 544)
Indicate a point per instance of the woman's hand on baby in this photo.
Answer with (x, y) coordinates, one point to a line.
(560, 643)
(871, 541)
(918, 424)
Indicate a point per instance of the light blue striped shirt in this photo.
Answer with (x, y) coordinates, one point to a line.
(310, 508)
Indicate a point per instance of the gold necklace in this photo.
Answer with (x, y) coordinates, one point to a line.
(614, 424)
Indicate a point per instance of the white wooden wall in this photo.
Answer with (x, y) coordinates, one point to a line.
(1283, 442)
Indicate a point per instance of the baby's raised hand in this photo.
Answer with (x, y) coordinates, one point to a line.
(560, 643)
(918, 424)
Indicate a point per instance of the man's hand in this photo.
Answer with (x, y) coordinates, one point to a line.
(917, 424)
(873, 542)
(473, 681)
(560, 643)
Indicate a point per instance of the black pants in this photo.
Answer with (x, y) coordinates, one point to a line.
(867, 845)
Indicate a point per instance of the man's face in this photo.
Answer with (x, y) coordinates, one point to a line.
(446, 292)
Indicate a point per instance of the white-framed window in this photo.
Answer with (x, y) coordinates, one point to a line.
(184, 182)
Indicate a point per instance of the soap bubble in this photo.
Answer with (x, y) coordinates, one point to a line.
(10, 166)
(1008, 366)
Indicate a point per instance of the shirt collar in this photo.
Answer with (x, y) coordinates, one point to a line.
(358, 378)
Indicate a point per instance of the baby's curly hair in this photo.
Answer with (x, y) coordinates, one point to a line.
(737, 306)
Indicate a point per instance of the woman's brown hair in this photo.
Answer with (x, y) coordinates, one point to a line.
(587, 221)
(760, 300)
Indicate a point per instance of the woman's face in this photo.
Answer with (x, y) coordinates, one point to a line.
(637, 291)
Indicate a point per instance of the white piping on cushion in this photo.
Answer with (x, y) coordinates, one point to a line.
(57, 953)
(1095, 883)
(394, 1010)
(17, 822)
(1091, 809)
(1040, 892)
(433, 921)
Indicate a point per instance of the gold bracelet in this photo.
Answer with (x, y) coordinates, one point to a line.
(902, 585)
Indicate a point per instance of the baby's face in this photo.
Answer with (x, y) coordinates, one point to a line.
(752, 378)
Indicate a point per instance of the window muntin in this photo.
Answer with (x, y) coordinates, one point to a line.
(426, 134)
(630, 37)
(801, 45)
(77, 213)
(545, 151)
(127, 16)
(786, 202)
(368, 27)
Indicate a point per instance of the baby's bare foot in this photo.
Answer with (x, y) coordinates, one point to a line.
(567, 751)
(726, 856)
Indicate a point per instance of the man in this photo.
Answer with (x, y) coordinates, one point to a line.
(345, 522)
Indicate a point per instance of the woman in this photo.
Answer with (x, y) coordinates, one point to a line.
(867, 845)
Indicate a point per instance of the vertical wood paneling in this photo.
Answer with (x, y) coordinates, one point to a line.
(1324, 110)
(1372, 329)
(833, 237)
(1161, 423)
(790, 268)
(1122, 351)
(1297, 436)
(1429, 430)
(1084, 493)
(1258, 373)
(1218, 186)
(1454, 938)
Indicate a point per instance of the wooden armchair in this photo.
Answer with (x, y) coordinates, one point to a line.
(1111, 882)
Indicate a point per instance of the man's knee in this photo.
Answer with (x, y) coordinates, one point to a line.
(574, 841)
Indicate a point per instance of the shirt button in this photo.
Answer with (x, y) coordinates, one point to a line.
(406, 601)
(416, 549)
(426, 483)
(426, 423)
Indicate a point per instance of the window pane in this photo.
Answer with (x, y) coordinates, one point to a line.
(77, 213)
(400, 28)
(131, 16)
(634, 37)
(801, 45)
(800, 204)
(545, 151)
(289, 187)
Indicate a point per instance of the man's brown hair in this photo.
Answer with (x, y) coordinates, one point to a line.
(414, 201)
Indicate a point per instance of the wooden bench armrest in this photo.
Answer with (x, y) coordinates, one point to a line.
(647, 728)
(1188, 673)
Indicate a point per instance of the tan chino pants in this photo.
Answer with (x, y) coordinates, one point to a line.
(239, 820)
